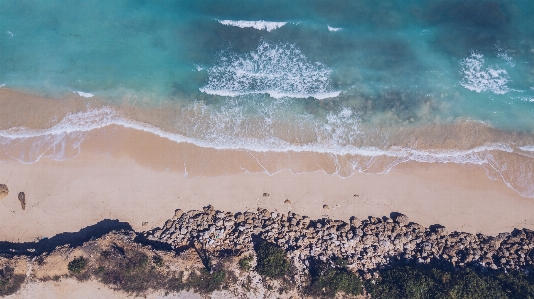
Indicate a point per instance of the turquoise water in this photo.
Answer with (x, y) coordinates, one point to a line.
(470, 59)
(358, 80)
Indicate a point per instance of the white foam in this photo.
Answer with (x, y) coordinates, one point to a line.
(2, 85)
(84, 94)
(259, 25)
(478, 78)
(280, 70)
(333, 29)
(11, 34)
(199, 67)
(340, 124)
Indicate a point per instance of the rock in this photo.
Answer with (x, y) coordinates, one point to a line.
(287, 201)
(266, 194)
(210, 210)
(22, 199)
(326, 207)
(177, 214)
(3, 191)
(401, 219)
(355, 222)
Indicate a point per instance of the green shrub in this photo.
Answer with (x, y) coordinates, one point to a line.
(244, 263)
(202, 282)
(77, 265)
(426, 282)
(130, 272)
(327, 281)
(271, 259)
(157, 260)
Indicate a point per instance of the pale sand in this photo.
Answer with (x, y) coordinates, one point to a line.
(72, 289)
(137, 177)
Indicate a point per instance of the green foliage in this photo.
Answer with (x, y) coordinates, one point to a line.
(339, 262)
(327, 281)
(10, 283)
(202, 282)
(425, 282)
(271, 260)
(157, 260)
(77, 265)
(130, 271)
(244, 263)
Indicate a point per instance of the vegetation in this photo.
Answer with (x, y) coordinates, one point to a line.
(10, 282)
(271, 260)
(128, 270)
(157, 260)
(202, 282)
(244, 263)
(327, 281)
(426, 282)
(77, 265)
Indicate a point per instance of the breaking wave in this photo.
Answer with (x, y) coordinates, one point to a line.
(477, 77)
(259, 25)
(280, 70)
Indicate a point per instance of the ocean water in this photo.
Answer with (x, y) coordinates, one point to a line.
(359, 78)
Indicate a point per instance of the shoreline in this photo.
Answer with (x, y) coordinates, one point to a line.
(136, 176)
(70, 195)
(58, 129)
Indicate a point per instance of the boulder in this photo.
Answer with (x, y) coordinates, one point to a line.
(401, 219)
(3, 191)
(22, 199)
(355, 222)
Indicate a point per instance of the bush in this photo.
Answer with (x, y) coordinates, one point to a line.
(10, 283)
(130, 272)
(77, 265)
(244, 263)
(426, 282)
(202, 282)
(157, 260)
(327, 281)
(271, 260)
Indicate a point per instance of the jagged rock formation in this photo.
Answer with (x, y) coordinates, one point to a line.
(4, 191)
(367, 245)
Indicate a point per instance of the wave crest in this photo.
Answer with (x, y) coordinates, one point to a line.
(259, 25)
(280, 70)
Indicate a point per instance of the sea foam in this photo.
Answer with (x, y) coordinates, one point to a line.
(84, 94)
(259, 25)
(333, 28)
(477, 77)
(280, 70)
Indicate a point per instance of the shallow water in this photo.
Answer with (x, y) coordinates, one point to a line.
(362, 78)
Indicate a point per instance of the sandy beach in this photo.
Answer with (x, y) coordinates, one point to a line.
(143, 178)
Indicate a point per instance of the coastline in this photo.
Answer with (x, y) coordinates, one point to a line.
(115, 172)
(127, 184)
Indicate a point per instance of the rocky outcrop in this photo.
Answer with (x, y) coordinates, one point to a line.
(367, 245)
(4, 191)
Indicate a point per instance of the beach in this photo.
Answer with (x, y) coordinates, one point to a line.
(144, 180)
